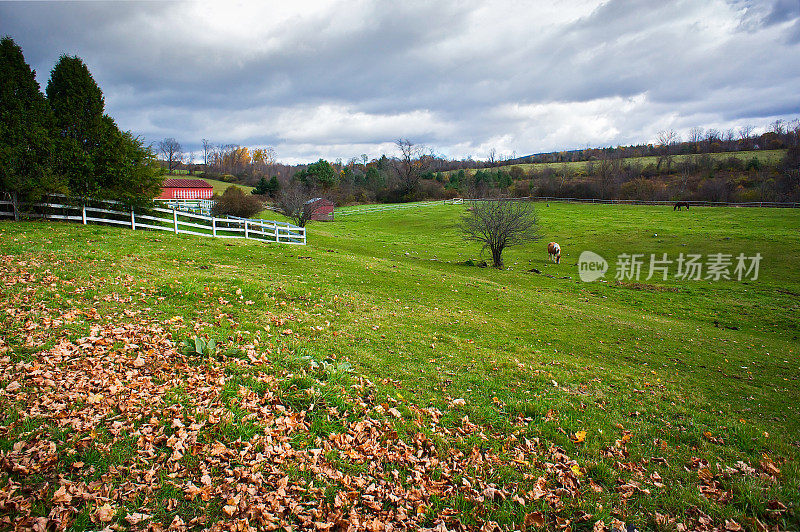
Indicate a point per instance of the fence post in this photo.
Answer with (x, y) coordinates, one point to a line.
(245, 230)
(213, 226)
(14, 206)
(133, 221)
(83, 213)
(175, 219)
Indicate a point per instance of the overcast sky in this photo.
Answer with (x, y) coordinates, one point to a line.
(338, 79)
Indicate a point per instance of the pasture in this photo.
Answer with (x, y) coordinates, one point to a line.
(530, 398)
(765, 157)
(222, 186)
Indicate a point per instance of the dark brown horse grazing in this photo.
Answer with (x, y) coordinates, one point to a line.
(680, 204)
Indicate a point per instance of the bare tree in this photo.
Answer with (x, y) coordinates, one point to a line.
(711, 138)
(500, 223)
(728, 136)
(794, 133)
(172, 152)
(409, 166)
(667, 139)
(491, 158)
(207, 149)
(607, 172)
(295, 202)
(778, 127)
(746, 131)
(696, 137)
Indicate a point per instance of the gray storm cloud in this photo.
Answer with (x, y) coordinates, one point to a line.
(338, 79)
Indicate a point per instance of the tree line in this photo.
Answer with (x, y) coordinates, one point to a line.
(61, 141)
(778, 135)
(669, 169)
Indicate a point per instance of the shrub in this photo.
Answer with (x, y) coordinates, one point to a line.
(522, 189)
(714, 190)
(235, 202)
(753, 164)
(516, 173)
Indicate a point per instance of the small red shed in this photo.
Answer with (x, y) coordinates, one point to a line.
(186, 189)
(322, 209)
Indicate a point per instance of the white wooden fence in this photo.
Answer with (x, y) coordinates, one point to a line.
(198, 206)
(693, 203)
(157, 219)
(348, 211)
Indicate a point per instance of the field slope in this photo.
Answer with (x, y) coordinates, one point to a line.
(379, 374)
(765, 157)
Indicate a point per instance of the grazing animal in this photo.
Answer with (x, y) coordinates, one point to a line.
(554, 252)
(680, 204)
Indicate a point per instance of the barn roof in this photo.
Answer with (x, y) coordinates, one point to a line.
(314, 200)
(186, 183)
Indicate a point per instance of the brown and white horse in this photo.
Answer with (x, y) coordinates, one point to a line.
(554, 252)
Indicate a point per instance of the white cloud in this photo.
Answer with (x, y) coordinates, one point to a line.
(339, 78)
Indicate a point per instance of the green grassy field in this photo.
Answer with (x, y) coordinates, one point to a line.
(222, 186)
(504, 396)
(767, 157)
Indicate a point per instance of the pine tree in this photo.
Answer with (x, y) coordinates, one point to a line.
(273, 186)
(77, 104)
(98, 160)
(26, 146)
(262, 187)
(127, 170)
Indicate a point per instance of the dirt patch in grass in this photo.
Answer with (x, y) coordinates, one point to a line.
(645, 286)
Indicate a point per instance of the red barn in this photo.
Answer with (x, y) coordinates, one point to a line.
(186, 189)
(322, 209)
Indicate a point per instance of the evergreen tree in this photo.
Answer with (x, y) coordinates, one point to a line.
(262, 187)
(96, 158)
(320, 173)
(374, 178)
(273, 186)
(265, 187)
(127, 170)
(77, 104)
(26, 147)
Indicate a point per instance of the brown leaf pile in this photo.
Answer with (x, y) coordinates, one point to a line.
(114, 387)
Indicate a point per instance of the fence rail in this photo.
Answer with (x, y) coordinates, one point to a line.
(200, 206)
(693, 203)
(348, 211)
(157, 219)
